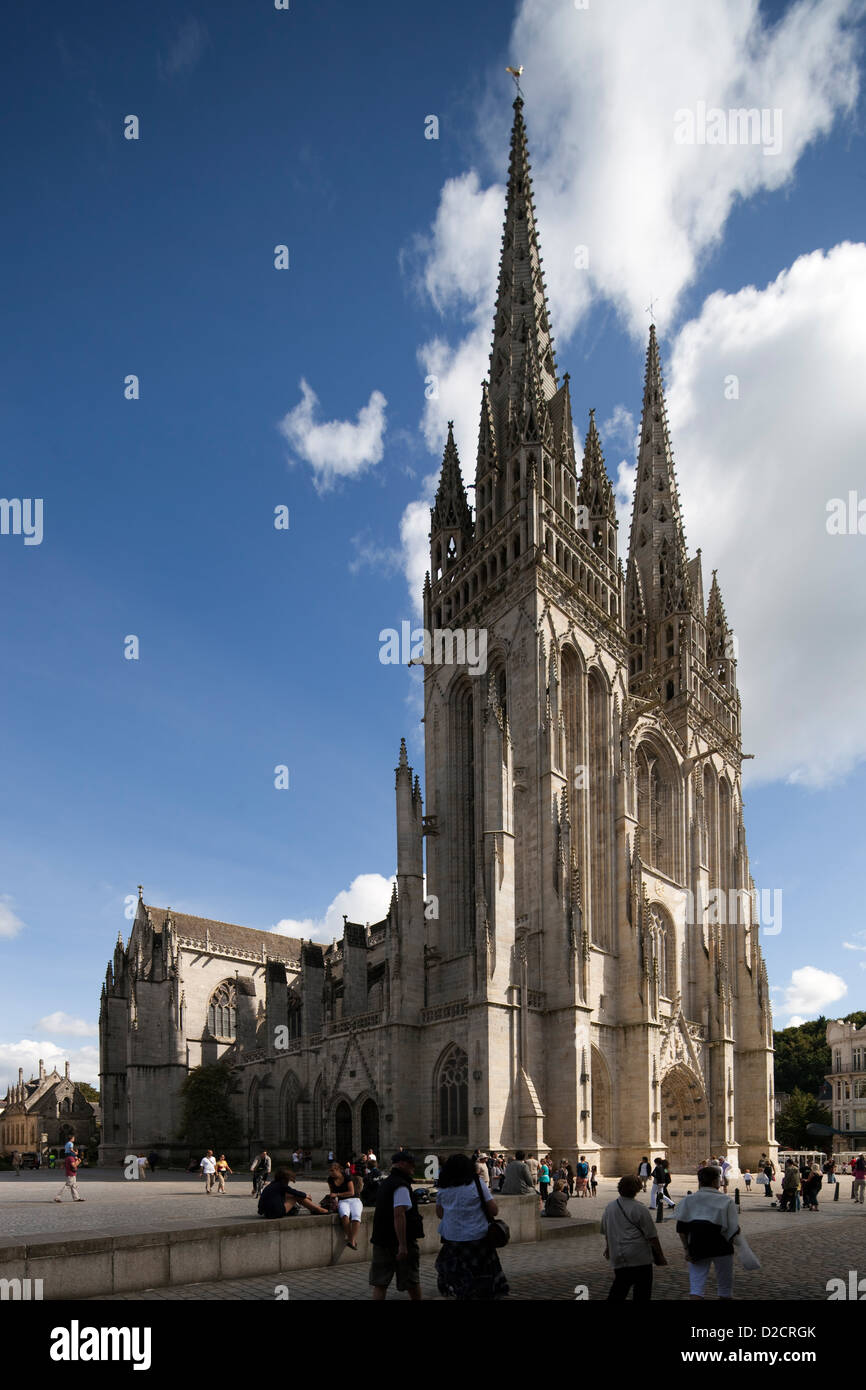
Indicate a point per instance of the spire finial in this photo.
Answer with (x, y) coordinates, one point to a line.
(515, 73)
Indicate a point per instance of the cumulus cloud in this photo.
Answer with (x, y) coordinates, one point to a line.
(335, 448)
(756, 473)
(365, 900)
(10, 923)
(808, 993)
(604, 87)
(67, 1026)
(83, 1061)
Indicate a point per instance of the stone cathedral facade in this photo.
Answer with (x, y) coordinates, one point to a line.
(565, 979)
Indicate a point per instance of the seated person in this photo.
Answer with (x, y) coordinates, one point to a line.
(279, 1198)
(557, 1202)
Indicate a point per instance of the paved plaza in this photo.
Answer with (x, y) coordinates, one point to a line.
(799, 1252)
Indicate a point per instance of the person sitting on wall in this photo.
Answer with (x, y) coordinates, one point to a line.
(279, 1198)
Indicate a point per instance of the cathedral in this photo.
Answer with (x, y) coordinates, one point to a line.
(553, 974)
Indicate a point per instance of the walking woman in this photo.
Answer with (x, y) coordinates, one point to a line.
(349, 1207)
(467, 1266)
(222, 1168)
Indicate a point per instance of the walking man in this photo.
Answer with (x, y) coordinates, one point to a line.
(70, 1167)
(706, 1225)
(208, 1167)
(397, 1228)
(859, 1183)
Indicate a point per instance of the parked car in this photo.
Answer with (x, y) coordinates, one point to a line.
(28, 1160)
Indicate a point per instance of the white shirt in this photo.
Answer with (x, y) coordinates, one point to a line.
(208, 1165)
(464, 1217)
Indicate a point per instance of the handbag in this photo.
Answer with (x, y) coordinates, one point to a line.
(498, 1233)
(747, 1256)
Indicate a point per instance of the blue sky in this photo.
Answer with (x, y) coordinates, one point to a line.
(260, 647)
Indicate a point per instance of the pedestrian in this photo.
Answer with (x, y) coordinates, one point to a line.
(518, 1178)
(570, 1178)
(467, 1266)
(261, 1171)
(38, 1163)
(16, 1163)
(482, 1169)
(397, 1228)
(330, 1155)
(770, 1173)
(153, 1160)
(222, 1168)
(830, 1171)
(707, 1224)
(497, 1172)
(661, 1177)
(141, 1164)
(790, 1187)
(581, 1176)
(644, 1171)
(70, 1167)
(557, 1202)
(858, 1170)
(593, 1181)
(279, 1198)
(812, 1187)
(747, 1179)
(725, 1166)
(208, 1168)
(533, 1165)
(345, 1187)
(69, 1146)
(544, 1180)
(631, 1243)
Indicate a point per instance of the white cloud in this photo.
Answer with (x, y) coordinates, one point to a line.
(10, 923)
(365, 900)
(795, 1021)
(67, 1026)
(185, 50)
(755, 477)
(809, 992)
(602, 88)
(849, 946)
(335, 448)
(83, 1061)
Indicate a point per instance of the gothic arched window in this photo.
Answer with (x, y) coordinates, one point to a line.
(222, 1013)
(656, 807)
(666, 950)
(453, 1092)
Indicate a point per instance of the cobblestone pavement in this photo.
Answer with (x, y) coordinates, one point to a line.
(799, 1253)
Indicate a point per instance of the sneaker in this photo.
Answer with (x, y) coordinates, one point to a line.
(58, 1199)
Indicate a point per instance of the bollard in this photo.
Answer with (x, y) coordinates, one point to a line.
(736, 1196)
(837, 1185)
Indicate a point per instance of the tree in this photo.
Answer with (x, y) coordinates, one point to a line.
(799, 1111)
(802, 1055)
(89, 1092)
(208, 1120)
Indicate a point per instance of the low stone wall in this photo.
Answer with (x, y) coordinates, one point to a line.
(91, 1266)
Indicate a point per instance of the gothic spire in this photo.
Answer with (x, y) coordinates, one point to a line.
(657, 545)
(521, 325)
(595, 490)
(451, 508)
(718, 629)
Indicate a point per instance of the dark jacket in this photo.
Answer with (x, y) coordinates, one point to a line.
(383, 1217)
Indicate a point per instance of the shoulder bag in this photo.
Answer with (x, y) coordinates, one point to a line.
(498, 1233)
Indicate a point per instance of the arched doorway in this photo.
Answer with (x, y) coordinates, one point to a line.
(343, 1132)
(370, 1127)
(684, 1120)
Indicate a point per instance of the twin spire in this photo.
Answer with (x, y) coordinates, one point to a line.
(525, 410)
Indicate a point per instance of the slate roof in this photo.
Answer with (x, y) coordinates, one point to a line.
(228, 934)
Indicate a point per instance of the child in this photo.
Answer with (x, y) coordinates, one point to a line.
(747, 1179)
(593, 1180)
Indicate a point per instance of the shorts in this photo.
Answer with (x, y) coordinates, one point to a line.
(384, 1265)
(699, 1269)
(351, 1207)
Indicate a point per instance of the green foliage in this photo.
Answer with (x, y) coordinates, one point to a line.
(799, 1111)
(208, 1120)
(802, 1055)
(89, 1092)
